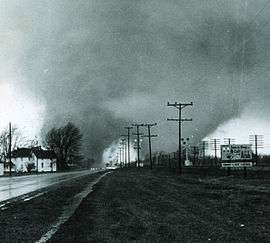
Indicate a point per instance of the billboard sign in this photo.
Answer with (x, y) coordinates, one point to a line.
(237, 164)
(236, 152)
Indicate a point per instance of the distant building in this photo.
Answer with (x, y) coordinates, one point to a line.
(32, 159)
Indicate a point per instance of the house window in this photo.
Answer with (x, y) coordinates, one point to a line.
(42, 165)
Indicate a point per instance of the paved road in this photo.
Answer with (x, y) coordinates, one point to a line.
(11, 187)
(35, 216)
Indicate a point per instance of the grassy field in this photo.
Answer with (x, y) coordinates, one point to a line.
(138, 205)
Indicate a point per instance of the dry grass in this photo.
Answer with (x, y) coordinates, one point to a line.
(141, 206)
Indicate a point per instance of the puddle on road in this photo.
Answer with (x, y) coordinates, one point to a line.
(69, 210)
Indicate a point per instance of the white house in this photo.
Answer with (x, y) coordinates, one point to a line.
(20, 159)
(45, 160)
(32, 159)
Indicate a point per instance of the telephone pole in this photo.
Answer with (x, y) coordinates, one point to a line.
(120, 151)
(257, 142)
(138, 134)
(128, 142)
(179, 106)
(195, 151)
(9, 148)
(126, 153)
(229, 141)
(123, 143)
(214, 142)
(204, 146)
(149, 141)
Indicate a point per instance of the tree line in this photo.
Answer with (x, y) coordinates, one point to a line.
(64, 141)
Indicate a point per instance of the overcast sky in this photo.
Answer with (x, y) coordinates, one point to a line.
(104, 64)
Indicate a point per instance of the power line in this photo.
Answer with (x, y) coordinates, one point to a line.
(179, 106)
(203, 147)
(138, 134)
(215, 142)
(257, 142)
(120, 155)
(124, 150)
(229, 141)
(149, 141)
(128, 141)
(195, 153)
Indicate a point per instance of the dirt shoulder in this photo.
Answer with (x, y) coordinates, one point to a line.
(133, 205)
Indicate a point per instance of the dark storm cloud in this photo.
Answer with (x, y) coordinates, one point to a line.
(103, 64)
(222, 42)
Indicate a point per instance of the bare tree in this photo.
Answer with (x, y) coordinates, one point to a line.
(4, 141)
(66, 143)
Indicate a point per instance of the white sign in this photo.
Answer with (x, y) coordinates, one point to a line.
(236, 164)
(236, 152)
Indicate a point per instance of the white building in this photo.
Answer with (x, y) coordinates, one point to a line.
(20, 159)
(32, 159)
(45, 160)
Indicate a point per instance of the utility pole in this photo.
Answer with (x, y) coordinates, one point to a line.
(179, 106)
(138, 134)
(256, 147)
(9, 148)
(215, 147)
(123, 143)
(149, 141)
(257, 142)
(229, 141)
(195, 150)
(204, 145)
(128, 142)
(120, 155)
(126, 154)
(214, 142)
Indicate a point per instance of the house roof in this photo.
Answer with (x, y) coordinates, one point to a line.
(21, 153)
(44, 154)
(37, 151)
